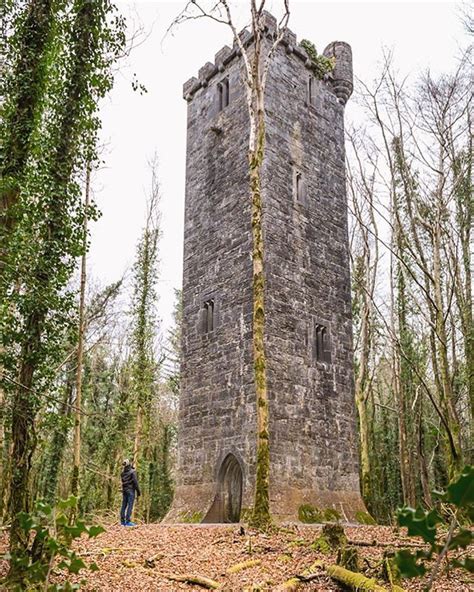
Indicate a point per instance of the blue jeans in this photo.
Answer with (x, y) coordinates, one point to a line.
(128, 497)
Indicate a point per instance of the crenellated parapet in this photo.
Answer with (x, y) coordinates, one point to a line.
(341, 79)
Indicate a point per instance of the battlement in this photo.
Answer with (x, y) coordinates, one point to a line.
(341, 79)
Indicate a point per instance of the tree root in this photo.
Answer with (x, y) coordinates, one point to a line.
(197, 580)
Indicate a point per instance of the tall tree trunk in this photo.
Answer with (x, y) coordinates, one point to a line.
(261, 510)
(404, 389)
(58, 443)
(24, 96)
(61, 166)
(422, 465)
(2, 452)
(362, 388)
(80, 348)
(454, 446)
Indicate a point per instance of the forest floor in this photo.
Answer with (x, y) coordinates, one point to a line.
(211, 550)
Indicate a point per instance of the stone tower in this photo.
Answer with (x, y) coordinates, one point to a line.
(313, 442)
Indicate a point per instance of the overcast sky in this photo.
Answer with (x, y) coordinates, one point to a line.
(422, 34)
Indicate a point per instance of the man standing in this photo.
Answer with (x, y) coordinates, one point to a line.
(129, 487)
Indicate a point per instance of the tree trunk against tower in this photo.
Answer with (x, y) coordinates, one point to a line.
(257, 59)
(261, 510)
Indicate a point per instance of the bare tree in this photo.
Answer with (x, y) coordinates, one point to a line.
(257, 57)
(418, 149)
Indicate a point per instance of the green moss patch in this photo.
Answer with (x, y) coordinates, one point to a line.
(191, 517)
(365, 518)
(309, 514)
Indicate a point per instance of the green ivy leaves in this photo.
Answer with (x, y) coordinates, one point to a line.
(50, 535)
(424, 524)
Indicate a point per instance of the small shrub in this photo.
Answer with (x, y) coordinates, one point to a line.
(320, 64)
(51, 536)
(442, 542)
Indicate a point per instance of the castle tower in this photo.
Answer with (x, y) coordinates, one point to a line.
(313, 441)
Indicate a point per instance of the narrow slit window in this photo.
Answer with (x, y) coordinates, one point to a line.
(299, 187)
(209, 316)
(223, 92)
(310, 90)
(322, 344)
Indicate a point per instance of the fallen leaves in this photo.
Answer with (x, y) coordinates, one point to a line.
(141, 559)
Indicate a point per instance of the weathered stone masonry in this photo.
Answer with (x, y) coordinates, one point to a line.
(313, 446)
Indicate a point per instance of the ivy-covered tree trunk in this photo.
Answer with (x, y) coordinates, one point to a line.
(59, 242)
(2, 452)
(25, 88)
(80, 348)
(58, 444)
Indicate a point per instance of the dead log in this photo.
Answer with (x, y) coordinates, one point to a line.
(357, 581)
(196, 580)
(397, 545)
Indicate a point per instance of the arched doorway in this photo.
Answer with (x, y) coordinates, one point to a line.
(228, 500)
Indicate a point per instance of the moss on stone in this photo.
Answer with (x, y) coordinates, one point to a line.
(348, 557)
(245, 514)
(365, 518)
(321, 545)
(309, 514)
(331, 515)
(320, 64)
(332, 537)
(191, 517)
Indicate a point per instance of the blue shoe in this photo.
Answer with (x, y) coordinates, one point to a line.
(130, 523)
(123, 523)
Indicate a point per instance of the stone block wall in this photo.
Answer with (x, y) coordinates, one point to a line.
(313, 447)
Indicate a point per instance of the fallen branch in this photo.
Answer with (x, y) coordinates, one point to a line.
(150, 562)
(244, 565)
(357, 581)
(398, 545)
(197, 580)
(295, 582)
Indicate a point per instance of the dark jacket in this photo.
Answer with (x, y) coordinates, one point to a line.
(129, 480)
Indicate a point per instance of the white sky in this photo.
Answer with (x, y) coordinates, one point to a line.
(422, 34)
